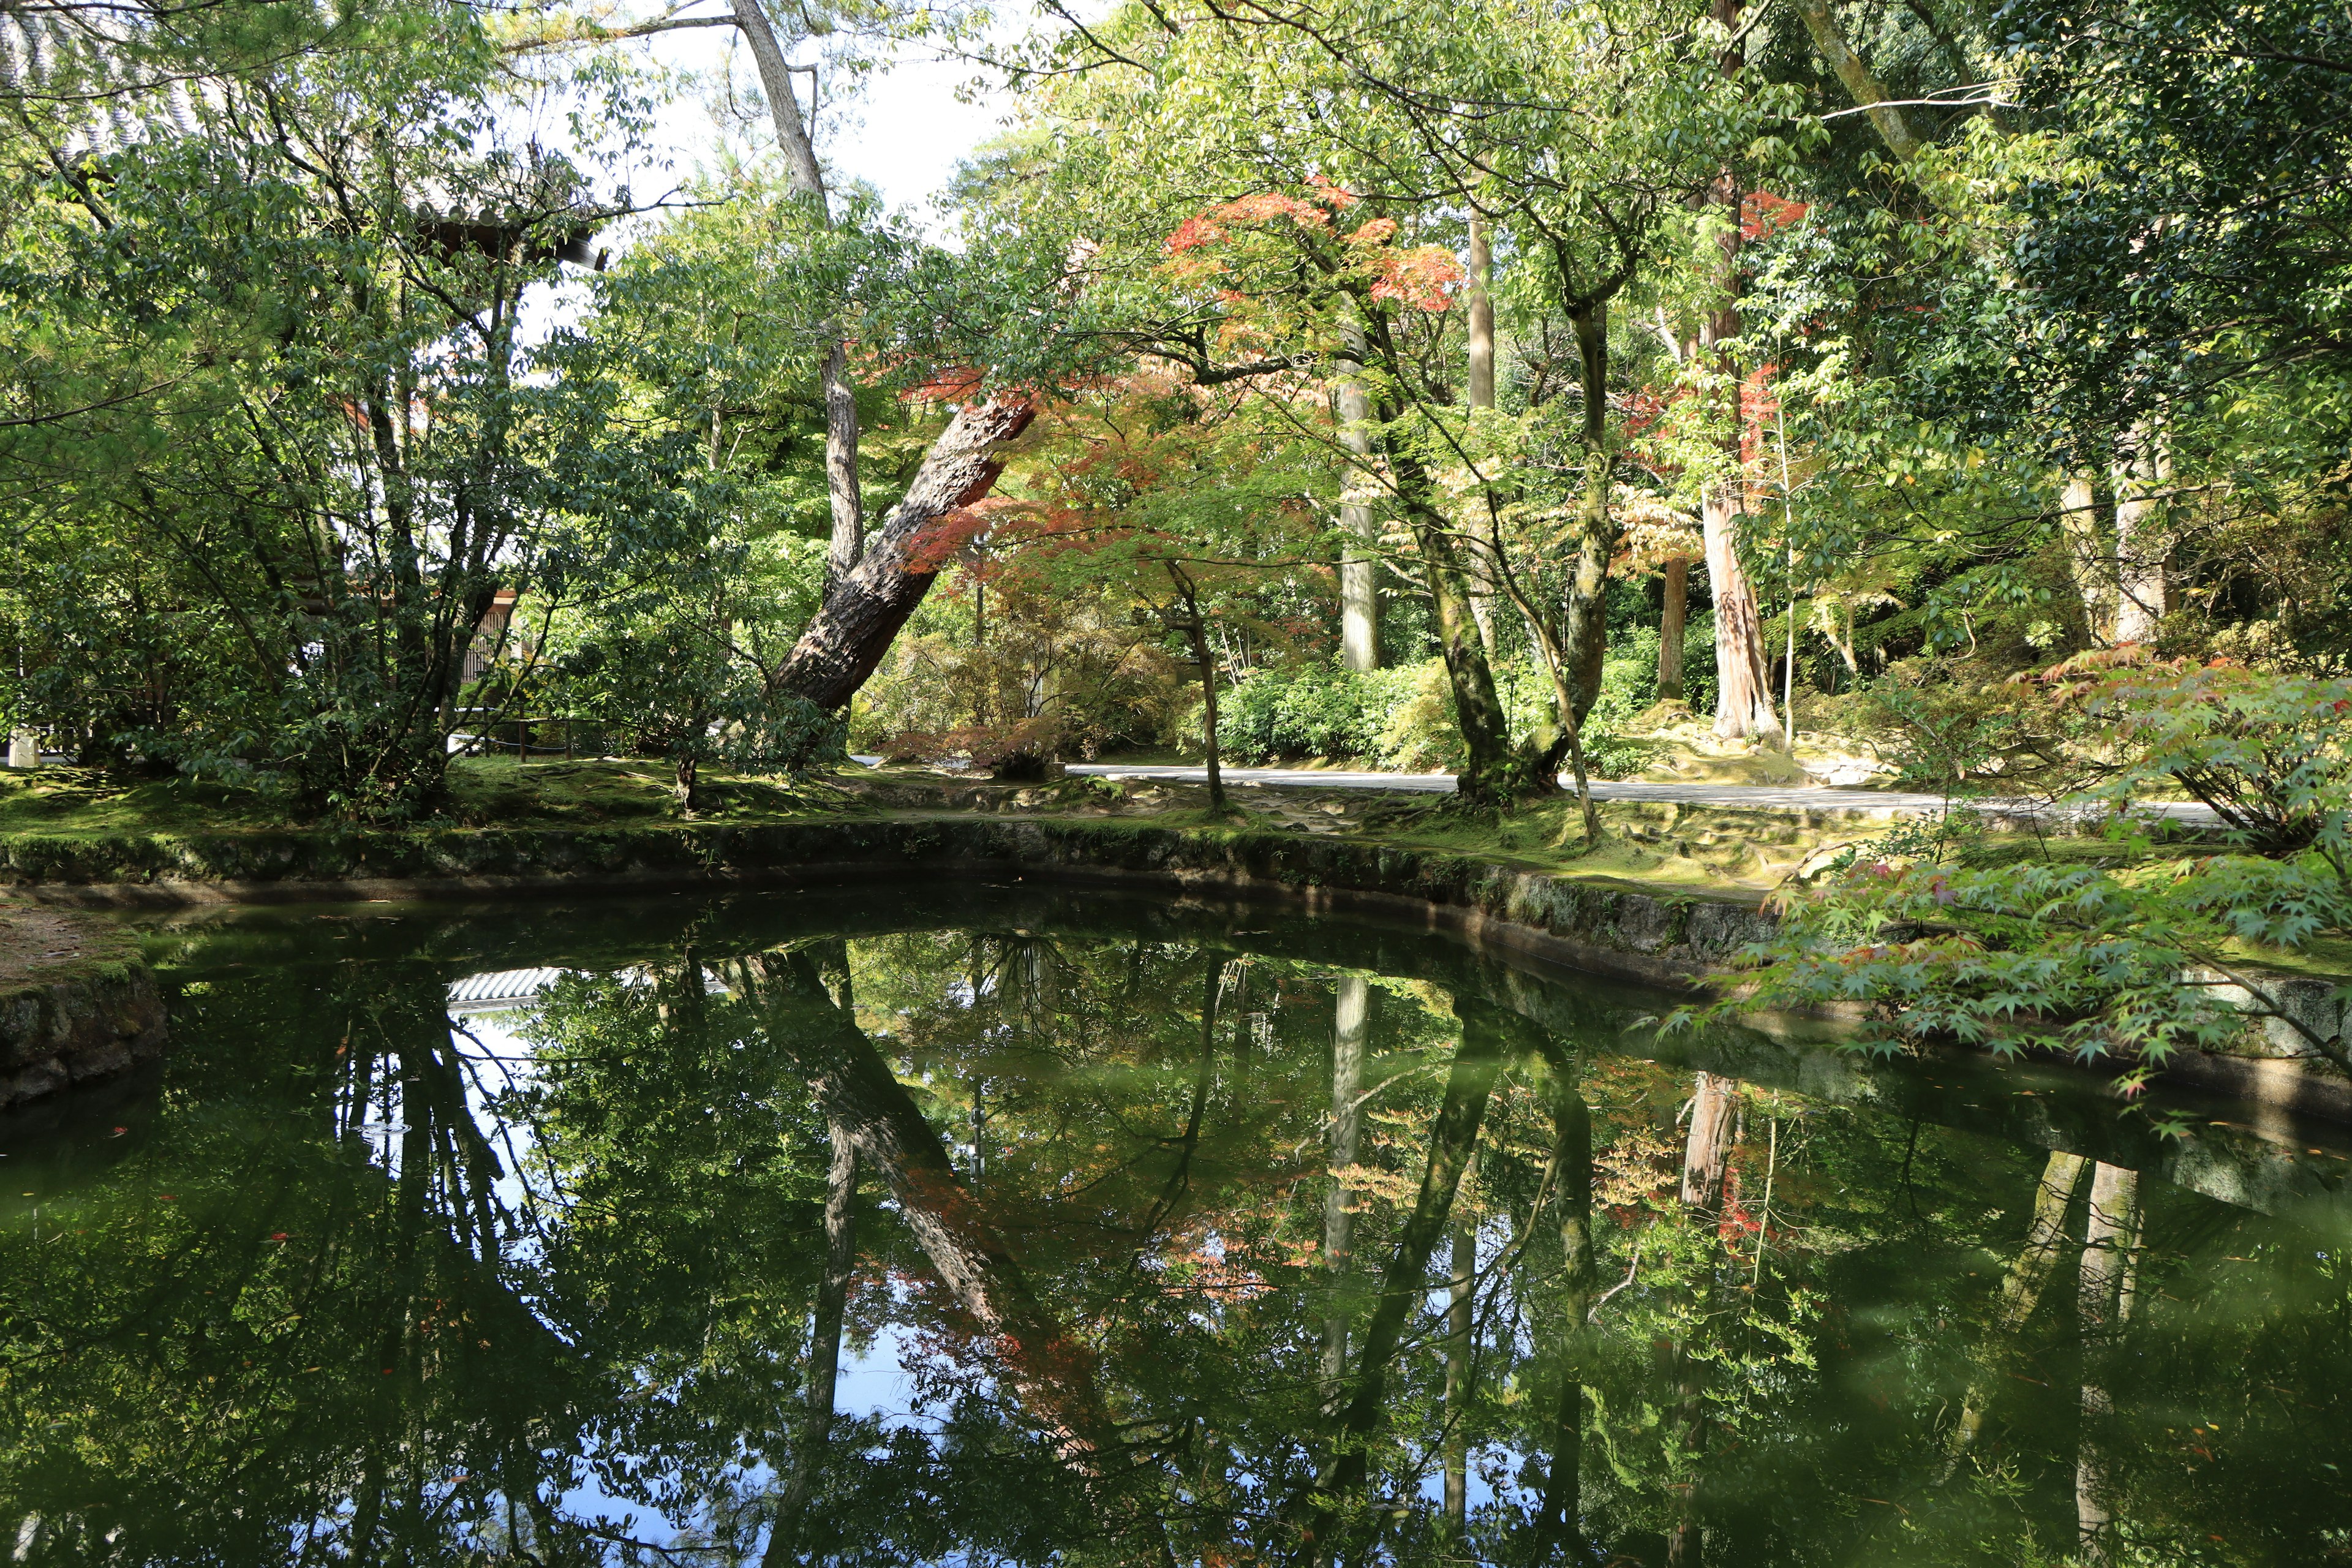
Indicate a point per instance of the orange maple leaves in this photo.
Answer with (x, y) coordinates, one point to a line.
(1420, 276)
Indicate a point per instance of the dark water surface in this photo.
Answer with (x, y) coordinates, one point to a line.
(1159, 1233)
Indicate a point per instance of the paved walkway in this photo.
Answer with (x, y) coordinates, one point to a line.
(1769, 797)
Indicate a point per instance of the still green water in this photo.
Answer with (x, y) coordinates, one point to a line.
(1165, 1235)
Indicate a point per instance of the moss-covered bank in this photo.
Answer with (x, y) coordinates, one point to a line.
(1658, 922)
(76, 1002)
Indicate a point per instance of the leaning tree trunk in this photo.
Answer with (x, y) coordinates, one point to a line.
(1051, 1371)
(863, 611)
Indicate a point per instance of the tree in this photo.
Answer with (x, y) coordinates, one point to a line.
(287, 442)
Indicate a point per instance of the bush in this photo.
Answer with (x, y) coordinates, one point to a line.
(1308, 710)
(1402, 720)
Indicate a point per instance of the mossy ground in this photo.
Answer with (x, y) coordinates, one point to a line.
(483, 791)
(39, 945)
(1659, 847)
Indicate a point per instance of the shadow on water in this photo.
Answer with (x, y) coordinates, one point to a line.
(978, 1224)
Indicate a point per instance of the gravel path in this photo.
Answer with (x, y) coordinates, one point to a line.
(1769, 797)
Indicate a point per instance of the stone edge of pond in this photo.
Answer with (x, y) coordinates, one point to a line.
(1683, 940)
(92, 1011)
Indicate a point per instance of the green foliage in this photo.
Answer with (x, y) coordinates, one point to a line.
(2098, 960)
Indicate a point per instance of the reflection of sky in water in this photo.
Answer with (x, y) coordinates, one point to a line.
(872, 1381)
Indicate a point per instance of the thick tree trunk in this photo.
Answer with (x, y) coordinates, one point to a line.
(2087, 561)
(807, 180)
(841, 488)
(1743, 698)
(1489, 775)
(1586, 638)
(1743, 676)
(863, 611)
(1670, 631)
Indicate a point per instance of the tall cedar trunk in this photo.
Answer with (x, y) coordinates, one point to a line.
(807, 182)
(2143, 539)
(863, 611)
(2021, 1290)
(1670, 631)
(1351, 1015)
(1359, 571)
(1031, 1353)
(2087, 560)
(1743, 674)
(1480, 557)
(2110, 1241)
(1405, 1284)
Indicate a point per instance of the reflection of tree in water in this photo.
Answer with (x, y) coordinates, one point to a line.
(1195, 1256)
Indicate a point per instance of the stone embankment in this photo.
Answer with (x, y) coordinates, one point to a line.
(1686, 940)
(75, 1004)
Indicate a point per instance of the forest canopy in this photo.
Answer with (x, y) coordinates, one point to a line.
(1526, 392)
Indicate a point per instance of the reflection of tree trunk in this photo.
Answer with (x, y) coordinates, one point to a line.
(1706, 1163)
(1451, 1139)
(1561, 1506)
(2110, 1238)
(2045, 1236)
(1459, 1302)
(1349, 1028)
(810, 1453)
(1706, 1153)
(1053, 1375)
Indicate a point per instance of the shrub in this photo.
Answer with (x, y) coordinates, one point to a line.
(1402, 719)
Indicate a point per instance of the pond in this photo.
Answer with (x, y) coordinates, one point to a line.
(977, 1223)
